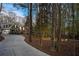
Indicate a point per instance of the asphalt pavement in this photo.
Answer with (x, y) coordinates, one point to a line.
(14, 45)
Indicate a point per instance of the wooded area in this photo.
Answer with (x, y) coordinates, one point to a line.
(57, 23)
(54, 23)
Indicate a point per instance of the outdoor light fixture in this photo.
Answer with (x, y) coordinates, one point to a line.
(15, 26)
(23, 28)
(20, 28)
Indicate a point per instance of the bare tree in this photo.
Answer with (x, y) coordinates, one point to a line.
(30, 22)
(56, 25)
(0, 7)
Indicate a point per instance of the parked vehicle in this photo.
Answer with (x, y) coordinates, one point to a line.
(5, 31)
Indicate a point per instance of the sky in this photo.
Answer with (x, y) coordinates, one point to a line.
(18, 11)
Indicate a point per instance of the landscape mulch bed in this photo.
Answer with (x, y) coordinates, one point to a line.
(66, 48)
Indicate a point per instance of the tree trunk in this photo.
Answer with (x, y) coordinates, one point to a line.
(56, 26)
(0, 7)
(54, 17)
(59, 27)
(30, 22)
(0, 24)
(73, 27)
